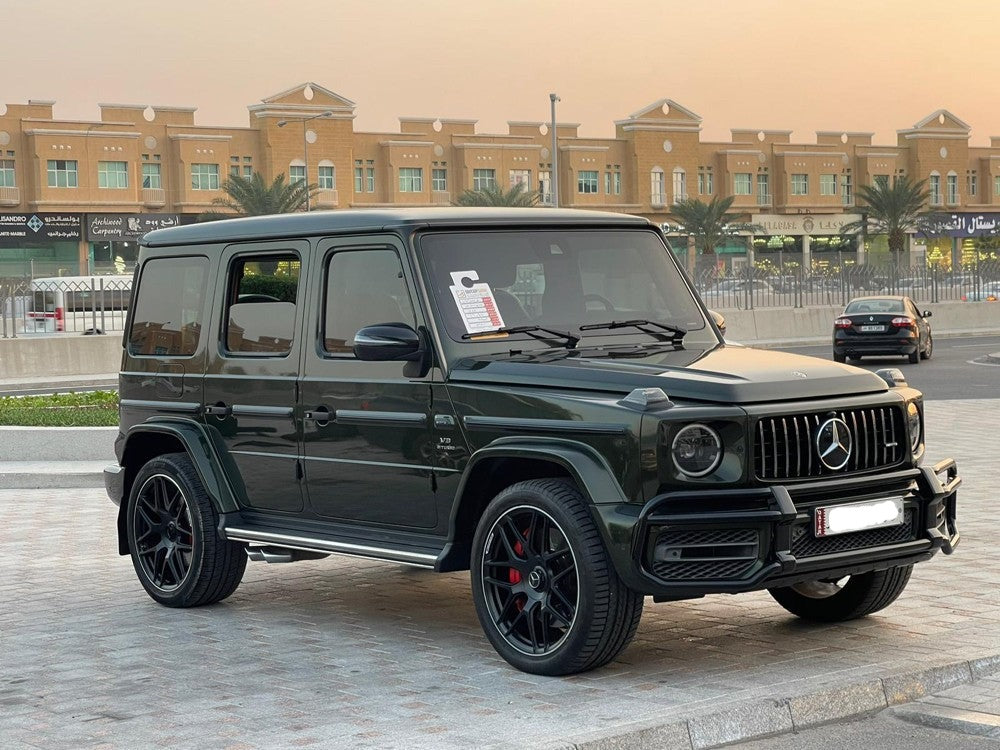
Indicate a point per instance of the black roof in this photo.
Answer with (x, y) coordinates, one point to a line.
(374, 220)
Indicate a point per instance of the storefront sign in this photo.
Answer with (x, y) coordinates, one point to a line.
(800, 224)
(127, 227)
(968, 225)
(18, 229)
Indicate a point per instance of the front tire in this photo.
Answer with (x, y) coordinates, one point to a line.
(547, 596)
(177, 552)
(837, 601)
(929, 349)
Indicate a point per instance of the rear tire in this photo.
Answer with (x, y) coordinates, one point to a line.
(831, 601)
(839, 357)
(172, 526)
(914, 356)
(546, 594)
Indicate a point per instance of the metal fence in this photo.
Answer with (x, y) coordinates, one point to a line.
(85, 305)
(749, 287)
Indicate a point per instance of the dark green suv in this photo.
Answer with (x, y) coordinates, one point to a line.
(538, 396)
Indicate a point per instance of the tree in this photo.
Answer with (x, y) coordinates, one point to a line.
(895, 210)
(254, 197)
(709, 224)
(494, 195)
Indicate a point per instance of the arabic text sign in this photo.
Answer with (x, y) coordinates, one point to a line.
(126, 227)
(968, 225)
(18, 229)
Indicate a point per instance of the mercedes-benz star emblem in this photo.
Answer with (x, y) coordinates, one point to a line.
(833, 443)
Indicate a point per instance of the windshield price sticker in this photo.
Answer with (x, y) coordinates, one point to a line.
(476, 303)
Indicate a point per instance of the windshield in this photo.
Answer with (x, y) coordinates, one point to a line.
(562, 280)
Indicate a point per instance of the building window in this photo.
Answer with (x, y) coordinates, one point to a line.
(828, 184)
(881, 180)
(7, 173)
(296, 173)
(483, 179)
(411, 179)
(234, 166)
(370, 174)
(439, 179)
(359, 177)
(586, 181)
(607, 183)
(971, 186)
(521, 177)
(763, 189)
(952, 188)
(741, 183)
(680, 185)
(657, 186)
(935, 189)
(327, 177)
(204, 176)
(800, 184)
(151, 178)
(112, 174)
(996, 187)
(62, 173)
(247, 167)
(706, 181)
(545, 187)
(616, 183)
(846, 189)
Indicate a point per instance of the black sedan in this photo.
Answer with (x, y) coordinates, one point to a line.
(882, 325)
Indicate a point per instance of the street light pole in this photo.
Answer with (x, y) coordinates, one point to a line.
(305, 147)
(555, 153)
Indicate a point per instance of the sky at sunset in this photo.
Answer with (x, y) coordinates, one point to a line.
(872, 65)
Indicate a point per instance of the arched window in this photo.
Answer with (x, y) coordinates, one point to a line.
(657, 186)
(327, 175)
(934, 185)
(680, 185)
(296, 171)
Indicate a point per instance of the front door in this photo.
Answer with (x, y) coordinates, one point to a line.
(367, 430)
(250, 386)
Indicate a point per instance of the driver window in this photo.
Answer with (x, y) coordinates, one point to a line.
(363, 288)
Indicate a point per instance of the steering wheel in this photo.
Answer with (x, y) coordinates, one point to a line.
(598, 298)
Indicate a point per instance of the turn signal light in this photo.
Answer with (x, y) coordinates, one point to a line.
(842, 323)
(903, 322)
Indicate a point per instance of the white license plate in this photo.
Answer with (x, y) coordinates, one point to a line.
(843, 519)
(872, 329)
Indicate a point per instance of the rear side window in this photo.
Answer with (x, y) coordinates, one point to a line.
(169, 307)
(260, 304)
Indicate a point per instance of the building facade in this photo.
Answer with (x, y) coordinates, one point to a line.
(76, 195)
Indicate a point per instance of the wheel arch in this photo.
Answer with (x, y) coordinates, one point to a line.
(147, 440)
(507, 461)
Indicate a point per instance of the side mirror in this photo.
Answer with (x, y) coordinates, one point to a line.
(388, 342)
(720, 321)
(926, 313)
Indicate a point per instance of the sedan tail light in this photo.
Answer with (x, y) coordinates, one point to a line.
(842, 323)
(903, 322)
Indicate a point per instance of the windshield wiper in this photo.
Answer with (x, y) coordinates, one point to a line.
(676, 332)
(533, 331)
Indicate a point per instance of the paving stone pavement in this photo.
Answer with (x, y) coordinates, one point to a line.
(348, 653)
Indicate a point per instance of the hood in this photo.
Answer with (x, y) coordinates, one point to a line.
(726, 374)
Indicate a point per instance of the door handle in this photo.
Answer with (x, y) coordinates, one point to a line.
(320, 415)
(217, 410)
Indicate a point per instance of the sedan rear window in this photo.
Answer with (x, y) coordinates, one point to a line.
(875, 306)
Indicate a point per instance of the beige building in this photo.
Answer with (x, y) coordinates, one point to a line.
(76, 194)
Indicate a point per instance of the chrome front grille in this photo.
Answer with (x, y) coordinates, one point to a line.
(785, 447)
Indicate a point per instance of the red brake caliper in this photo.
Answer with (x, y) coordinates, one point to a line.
(515, 576)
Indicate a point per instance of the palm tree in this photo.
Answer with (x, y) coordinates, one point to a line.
(894, 210)
(494, 195)
(708, 223)
(254, 197)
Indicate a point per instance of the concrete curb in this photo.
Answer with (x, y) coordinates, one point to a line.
(46, 444)
(48, 475)
(952, 719)
(757, 719)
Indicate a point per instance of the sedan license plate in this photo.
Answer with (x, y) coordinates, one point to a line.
(844, 519)
(872, 329)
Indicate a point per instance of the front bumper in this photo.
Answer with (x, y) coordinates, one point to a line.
(686, 544)
(114, 482)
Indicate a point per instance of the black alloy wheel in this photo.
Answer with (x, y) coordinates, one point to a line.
(172, 529)
(531, 582)
(546, 592)
(929, 349)
(163, 532)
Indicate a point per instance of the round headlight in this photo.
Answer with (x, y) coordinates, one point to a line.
(696, 450)
(913, 425)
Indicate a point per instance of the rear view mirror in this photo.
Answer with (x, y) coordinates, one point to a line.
(388, 342)
(720, 321)
(926, 313)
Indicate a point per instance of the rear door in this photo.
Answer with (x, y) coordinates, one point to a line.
(250, 386)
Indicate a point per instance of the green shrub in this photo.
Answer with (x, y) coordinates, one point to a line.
(92, 409)
(281, 288)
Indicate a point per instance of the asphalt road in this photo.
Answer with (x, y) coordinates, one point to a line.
(957, 369)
